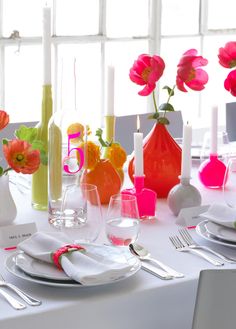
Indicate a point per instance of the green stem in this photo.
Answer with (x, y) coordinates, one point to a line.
(6, 170)
(154, 101)
(171, 94)
(168, 99)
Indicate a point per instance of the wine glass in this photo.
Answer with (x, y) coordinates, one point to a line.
(81, 216)
(122, 223)
(229, 184)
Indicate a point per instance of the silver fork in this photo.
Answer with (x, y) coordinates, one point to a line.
(27, 298)
(192, 244)
(179, 246)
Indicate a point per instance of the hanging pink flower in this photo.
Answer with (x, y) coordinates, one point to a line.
(230, 83)
(227, 55)
(189, 73)
(147, 70)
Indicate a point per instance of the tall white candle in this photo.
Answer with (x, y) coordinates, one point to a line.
(47, 46)
(214, 125)
(186, 152)
(138, 151)
(110, 91)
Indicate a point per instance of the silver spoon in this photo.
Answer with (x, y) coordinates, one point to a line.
(145, 255)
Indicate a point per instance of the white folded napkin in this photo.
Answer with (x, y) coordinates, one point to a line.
(221, 214)
(96, 265)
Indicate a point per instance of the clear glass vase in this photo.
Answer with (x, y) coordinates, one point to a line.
(66, 158)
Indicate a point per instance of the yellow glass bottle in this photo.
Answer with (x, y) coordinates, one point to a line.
(40, 178)
(109, 131)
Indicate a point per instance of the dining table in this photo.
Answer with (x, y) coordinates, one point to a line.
(139, 301)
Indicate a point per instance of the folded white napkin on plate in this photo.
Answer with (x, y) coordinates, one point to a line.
(221, 214)
(96, 265)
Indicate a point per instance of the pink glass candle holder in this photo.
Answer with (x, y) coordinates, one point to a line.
(146, 198)
(211, 172)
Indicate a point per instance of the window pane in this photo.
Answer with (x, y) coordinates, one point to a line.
(88, 80)
(188, 102)
(23, 83)
(127, 18)
(180, 17)
(122, 55)
(24, 16)
(77, 17)
(221, 14)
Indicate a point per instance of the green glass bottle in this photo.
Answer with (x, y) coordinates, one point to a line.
(40, 178)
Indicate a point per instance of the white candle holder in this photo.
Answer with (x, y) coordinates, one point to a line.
(183, 195)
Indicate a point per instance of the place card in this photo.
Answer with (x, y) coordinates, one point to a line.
(190, 216)
(11, 235)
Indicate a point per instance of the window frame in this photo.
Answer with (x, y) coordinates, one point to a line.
(154, 38)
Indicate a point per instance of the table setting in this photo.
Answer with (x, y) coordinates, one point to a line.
(108, 234)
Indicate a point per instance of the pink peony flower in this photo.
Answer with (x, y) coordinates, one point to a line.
(227, 55)
(147, 70)
(189, 73)
(230, 83)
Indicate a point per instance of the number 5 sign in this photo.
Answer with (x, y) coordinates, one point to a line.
(81, 155)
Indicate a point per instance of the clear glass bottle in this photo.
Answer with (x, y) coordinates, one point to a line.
(66, 158)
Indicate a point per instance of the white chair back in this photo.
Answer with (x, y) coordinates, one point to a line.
(216, 300)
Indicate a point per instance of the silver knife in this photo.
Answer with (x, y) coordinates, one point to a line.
(156, 271)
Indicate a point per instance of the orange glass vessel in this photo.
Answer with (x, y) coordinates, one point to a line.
(105, 177)
(162, 161)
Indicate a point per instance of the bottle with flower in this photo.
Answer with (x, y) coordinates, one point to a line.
(104, 169)
(23, 155)
(162, 155)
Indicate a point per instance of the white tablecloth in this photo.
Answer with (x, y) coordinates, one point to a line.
(142, 301)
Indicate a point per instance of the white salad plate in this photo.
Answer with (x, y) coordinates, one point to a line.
(25, 267)
(215, 233)
(221, 232)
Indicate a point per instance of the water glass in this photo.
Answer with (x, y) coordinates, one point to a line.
(80, 216)
(229, 184)
(122, 223)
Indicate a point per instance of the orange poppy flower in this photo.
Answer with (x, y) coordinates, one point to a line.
(92, 154)
(117, 155)
(4, 119)
(21, 157)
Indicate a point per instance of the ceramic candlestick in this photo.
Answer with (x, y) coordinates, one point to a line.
(146, 198)
(211, 172)
(183, 195)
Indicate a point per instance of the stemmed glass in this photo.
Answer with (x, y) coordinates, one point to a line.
(229, 184)
(122, 222)
(80, 216)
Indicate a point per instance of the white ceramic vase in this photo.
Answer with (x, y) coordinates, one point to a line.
(7, 205)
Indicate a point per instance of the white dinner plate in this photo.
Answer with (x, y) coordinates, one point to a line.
(221, 232)
(43, 273)
(201, 230)
(38, 268)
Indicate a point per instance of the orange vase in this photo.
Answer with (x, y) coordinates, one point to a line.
(105, 177)
(162, 161)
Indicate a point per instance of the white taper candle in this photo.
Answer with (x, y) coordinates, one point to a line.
(46, 46)
(214, 126)
(186, 152)
(138, 151)
(110, 91)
